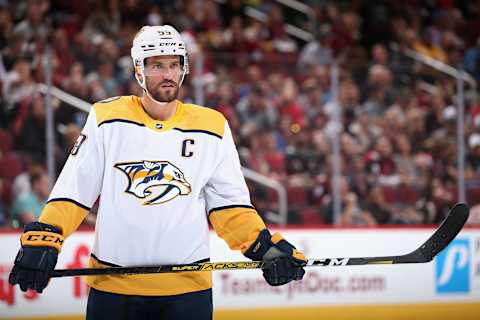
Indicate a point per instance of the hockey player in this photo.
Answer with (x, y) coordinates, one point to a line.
(162, 169)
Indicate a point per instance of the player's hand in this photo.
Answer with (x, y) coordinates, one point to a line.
(283, 262)
(37, 257)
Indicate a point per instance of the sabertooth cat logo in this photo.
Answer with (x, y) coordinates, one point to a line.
(154, 181)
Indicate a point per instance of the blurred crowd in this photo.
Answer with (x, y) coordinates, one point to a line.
(397, 133)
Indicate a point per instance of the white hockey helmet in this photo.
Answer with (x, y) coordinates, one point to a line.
(153, 41)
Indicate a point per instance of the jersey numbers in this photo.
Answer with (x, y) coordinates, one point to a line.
(80, 140)
(186, 150)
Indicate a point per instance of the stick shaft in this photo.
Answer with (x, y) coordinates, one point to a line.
(216, 266)
(445, 233)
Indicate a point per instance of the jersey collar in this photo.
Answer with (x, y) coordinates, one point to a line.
(158, 125)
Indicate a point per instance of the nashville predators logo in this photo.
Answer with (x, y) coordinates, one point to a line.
(155, 181)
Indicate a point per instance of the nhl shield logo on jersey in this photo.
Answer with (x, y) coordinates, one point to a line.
(155, 181)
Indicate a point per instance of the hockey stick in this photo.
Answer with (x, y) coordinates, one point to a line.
(447, 231)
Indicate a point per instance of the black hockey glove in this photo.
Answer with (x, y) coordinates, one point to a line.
(37, 257)
(283, 263)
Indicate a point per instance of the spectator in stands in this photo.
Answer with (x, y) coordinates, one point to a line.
(107, 79)
(407, 215)
(383, 94)
(97, 91)
(22, 183)
(349, 99)
(31, 136)
(224, 100)
(380, 55)
(472, 60)
(393, 122)
(34, 25)
(473, 157)
(316, 52)
(85, 51)
(61, 48)
(435, 113)
(288, 105)
(322, 74)
(255, 108)
(380, 163)
(364, 130)
(302, 161)
(275, 21)
(415, 126)
(352, 214)
(350, 208)
(19, 83)
(6, 27)
(438, 198)
(426, 46)
(310, 98)
(378, 91)
(27, 207)
(234, 40)
(231, 9)
(273, 157)
(405, 162)
(357, 175)
(75, 82)
(346, 199)
(102, 22)
(346, 33)
(377, 206)
(350, 148)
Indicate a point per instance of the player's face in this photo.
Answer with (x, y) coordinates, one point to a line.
(162, 75)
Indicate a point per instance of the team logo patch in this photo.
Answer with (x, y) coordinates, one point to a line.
(154, 181)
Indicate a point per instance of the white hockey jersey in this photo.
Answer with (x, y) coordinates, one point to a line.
(158, 183)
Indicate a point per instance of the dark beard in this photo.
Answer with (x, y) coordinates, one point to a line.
(163, 96)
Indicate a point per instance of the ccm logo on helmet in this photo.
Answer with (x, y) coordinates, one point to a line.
(164, 44)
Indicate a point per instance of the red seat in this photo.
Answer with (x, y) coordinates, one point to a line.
(390, 194)
(10, 166)
(6, 193)
(276, 161)
(473, 195)
(297, 195)
(406, 195)
(310, 215)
